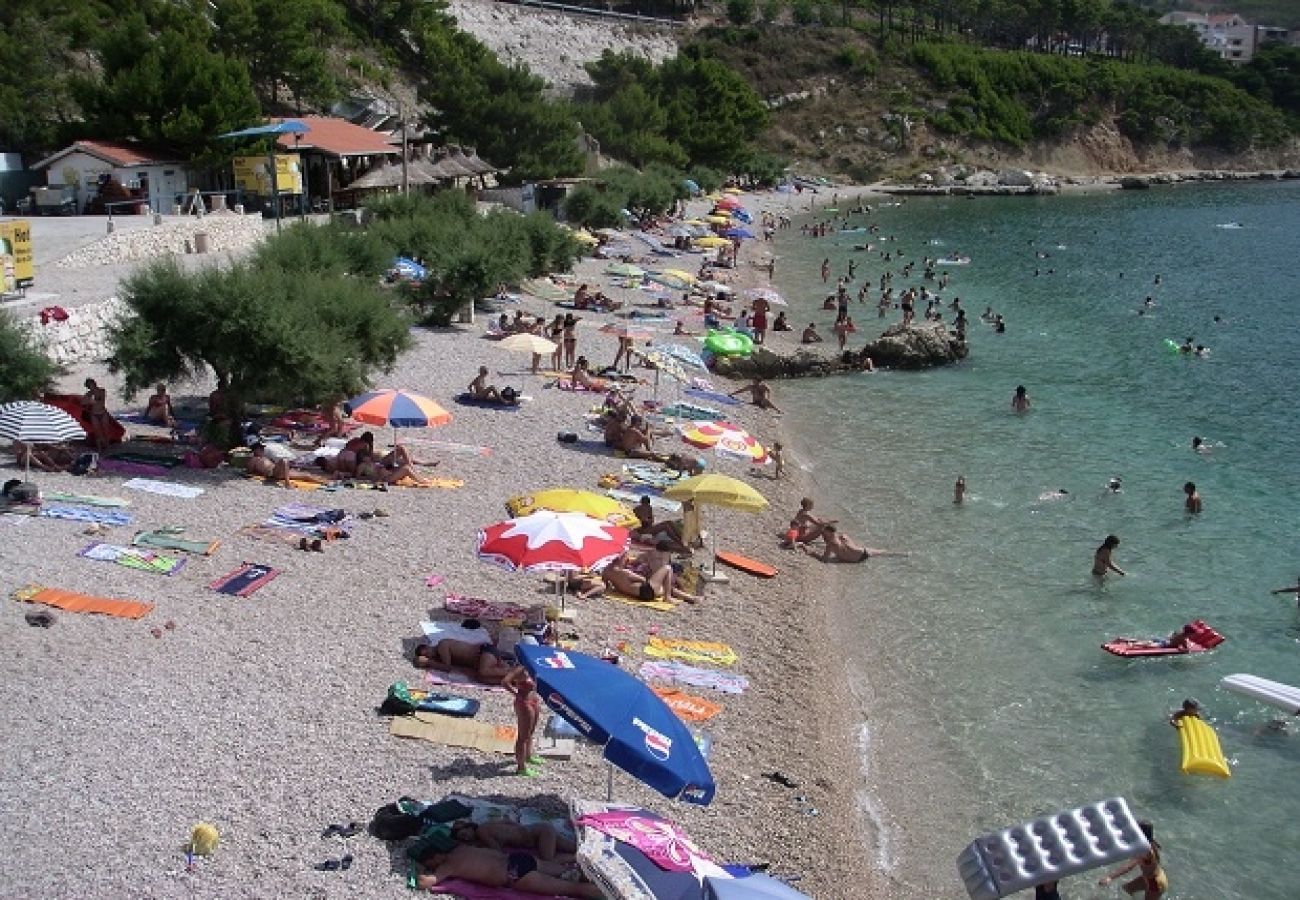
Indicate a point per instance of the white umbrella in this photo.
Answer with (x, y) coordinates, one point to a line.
(37, 423)
(528, 343)
(767, 294)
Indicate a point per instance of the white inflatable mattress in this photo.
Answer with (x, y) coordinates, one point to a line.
(1274, 693)
(1049, 848)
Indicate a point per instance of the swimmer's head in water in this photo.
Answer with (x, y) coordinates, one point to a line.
(1190, 705)
(1115, 484)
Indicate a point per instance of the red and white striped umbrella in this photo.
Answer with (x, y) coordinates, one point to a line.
(552, 542)
(725, 439)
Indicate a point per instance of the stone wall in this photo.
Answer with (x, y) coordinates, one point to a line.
(226, 233)
(82, 338)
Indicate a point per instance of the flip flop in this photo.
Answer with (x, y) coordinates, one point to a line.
(329, 865)
(352, 829)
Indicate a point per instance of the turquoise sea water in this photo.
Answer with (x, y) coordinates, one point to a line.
(986, 698)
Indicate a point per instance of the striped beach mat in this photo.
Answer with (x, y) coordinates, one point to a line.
(245, 580)
(133, 558)
(70, 601)
(726, 682)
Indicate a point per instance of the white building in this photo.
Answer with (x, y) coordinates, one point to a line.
(155, 178)
(1227, 34)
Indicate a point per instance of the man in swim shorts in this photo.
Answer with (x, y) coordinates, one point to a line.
(498, 869)
(542, 837)
(480, 661)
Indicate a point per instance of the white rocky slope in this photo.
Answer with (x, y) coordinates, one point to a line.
(556, 45)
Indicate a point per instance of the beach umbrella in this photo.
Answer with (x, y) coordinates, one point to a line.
(526, 342)
(732, 190)
(741, 215)
(674, 278)
(398, 409)
(690, 185)
(624, 330)
(711, 242)
(624, 270)
(666, 364)
(589, 503)
(685, 355)
(718, 490)
(37, 423)
(738, 233)
(725, 439)
(680, 231)
(718, 220)
(636, 730)
(585, 237)
(714, 287)
(698, 223)
(549, 541)
(727, 203)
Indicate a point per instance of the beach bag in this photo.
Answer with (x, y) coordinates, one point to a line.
(399, 701)
(509, 394)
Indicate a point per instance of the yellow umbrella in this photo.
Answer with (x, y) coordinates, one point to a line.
(711, 241)
(713, 196)
(718, 490)
(732, 190)
(695, 222)
(680, 274)
(597, 506)
(583, 236)
(718, 220)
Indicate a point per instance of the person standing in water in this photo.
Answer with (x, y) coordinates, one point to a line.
(1020, 400)
(1152, 882)
(1101, 560)
(1193, 502)
(959, 490)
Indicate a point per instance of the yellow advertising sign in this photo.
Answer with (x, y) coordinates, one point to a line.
(253, 173)
(16, 255)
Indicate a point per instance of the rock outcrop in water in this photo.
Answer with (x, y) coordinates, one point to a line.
(916, 346)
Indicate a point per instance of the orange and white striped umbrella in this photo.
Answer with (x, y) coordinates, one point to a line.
(725, 439)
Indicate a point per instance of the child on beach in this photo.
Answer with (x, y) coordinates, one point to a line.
(778, 460)
(528, 712)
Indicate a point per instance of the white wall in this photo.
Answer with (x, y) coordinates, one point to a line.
(84, 170)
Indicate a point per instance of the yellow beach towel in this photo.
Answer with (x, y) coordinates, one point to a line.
(710, 652)
(658, 605)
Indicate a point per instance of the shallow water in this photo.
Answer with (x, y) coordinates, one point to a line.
(986, 697)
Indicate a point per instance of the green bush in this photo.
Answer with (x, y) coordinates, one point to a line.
(803, 12)
(26, 371)
(741, 12)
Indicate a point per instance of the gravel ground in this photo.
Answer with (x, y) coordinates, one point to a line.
(258, 714)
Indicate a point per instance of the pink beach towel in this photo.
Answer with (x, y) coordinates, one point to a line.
(666, 845)
(126, 467)
(726, 682)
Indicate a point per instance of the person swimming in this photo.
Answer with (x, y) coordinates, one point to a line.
(1115, 485)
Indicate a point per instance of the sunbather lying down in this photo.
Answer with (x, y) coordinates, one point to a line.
(279, 470)
(479, 661)
(649, 577)
(496, 868)
(541, 836)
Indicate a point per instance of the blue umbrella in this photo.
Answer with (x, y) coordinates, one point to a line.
(638, 732)
(742, 216)
(288, 126)
(738, 233)
(690, 186)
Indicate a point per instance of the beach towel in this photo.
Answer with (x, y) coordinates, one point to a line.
(663, 843)
(471, 400)
(133, 558)
(459, 679)
(166, 488)
(70, 601)
(298, 484)
(469, 890)
(688, 707)
(651, 475)
(657, 605)
(726, 682)
(312, 521)
(87, 499)
(710, 652)
(568, 384)
(124, 467)
(445, 483)
(167, 539)
(84, 514)
(245, 580)
(436, 632)
(484, 610)
(476, 735)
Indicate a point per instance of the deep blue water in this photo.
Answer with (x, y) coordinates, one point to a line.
(986, 697)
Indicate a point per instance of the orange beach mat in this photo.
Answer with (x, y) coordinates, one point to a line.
(71, 601)
(688, 707)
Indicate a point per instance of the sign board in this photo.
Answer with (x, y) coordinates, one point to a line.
(253, 173)
(16, 255)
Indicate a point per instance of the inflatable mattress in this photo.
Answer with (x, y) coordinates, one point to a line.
(1274, 693)
(1050, 848)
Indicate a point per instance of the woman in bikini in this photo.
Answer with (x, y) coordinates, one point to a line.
(555, 334)
(569, 338)
(1152, 882)
(95, 404)
(528, 711)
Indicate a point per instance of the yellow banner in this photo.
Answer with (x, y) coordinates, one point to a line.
(16, 254)
(253, 173)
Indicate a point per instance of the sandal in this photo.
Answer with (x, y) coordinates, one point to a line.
(352, 829)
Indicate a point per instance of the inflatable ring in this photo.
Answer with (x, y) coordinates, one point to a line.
(729, 343)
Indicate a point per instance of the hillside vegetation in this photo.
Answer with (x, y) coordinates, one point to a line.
(849, 87)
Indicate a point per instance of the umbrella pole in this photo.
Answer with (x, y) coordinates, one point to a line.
(609, 782)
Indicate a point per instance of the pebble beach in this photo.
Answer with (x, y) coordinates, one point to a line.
(258, 714)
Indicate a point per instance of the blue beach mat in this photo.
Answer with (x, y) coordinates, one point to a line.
(715, 396)
(86, 514)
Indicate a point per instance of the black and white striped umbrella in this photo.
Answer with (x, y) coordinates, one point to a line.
(37, 423)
